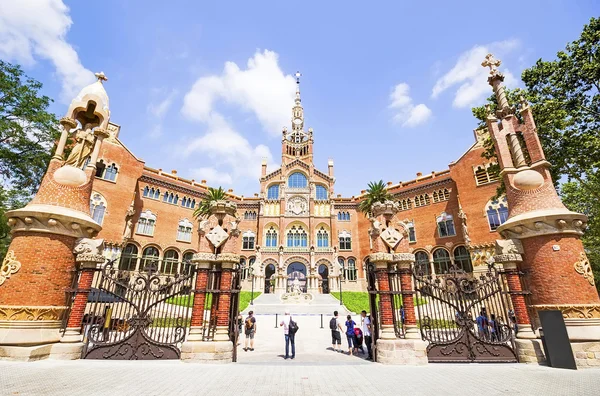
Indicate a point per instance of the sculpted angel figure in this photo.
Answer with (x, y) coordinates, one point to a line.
(84, 145)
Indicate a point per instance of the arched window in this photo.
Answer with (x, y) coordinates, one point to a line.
(412, 236)
(100, 166)
(187, 263)
(344, 216)
(166, 196)
(297, 180)
(462, 259)
(146, 191)
(320, 193)
(248, 240)
(184, 202)
(273, 192)
(497, 212)
(156, 193)
(422, 263)
(170, 262)
(445, 224)
(129, 258)
(271, 237)
(345, 240)
(146, 223)
(110, 173)
(184, 230)
(322, 238)
(97, 207)
(351, 270)
(297, 237)
(405, 204)
(250, 215)
(149, 258)
(441, 261)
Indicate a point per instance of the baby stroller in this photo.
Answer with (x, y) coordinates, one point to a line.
(358, 340)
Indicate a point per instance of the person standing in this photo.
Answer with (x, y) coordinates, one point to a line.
(250, 331)
(289, 336)
(366, 329)
(336, 332)
(350, 333)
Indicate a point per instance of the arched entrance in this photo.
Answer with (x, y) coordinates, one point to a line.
(324, 272)
(269, 272)
(296, 274)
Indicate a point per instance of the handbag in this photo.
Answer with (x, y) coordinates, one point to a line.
(293, 327)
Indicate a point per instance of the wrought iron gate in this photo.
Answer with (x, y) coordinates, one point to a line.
(373, 305)
(464, 317)
(234, 310)
(134, 315)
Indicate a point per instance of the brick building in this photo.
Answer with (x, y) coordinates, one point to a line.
(295, 225)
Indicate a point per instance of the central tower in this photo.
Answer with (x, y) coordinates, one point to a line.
(297, 144)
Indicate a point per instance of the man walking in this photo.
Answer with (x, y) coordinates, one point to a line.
(366, 329)
(289, 336)
(250, 331)
(336, 335)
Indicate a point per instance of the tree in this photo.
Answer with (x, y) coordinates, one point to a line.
(27, 134)
(564, 95)
(204, 207)
(376, 192)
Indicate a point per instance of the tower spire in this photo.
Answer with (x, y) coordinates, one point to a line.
(298, 75)
(297, 110)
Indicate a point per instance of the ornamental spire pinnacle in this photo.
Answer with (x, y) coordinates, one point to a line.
(495, 79)
(298, 75)
(297, 110)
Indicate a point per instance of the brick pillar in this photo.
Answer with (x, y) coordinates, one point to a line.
(227, 260)
(518, 300)
(202, 262)
(405, 263)
(381, 262)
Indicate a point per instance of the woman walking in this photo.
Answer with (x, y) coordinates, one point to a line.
(350, 333)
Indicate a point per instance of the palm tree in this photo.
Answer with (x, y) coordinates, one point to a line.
(204, 207)
(376, 192)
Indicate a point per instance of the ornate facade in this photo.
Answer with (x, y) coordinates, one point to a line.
(296, 223)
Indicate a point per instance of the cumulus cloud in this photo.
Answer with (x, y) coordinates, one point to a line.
(262, 89)
(470, 78)
(157, 111)
(232, 156)
(407, 114)
(37, 29)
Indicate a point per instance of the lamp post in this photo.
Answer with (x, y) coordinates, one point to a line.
(252, 293)
(341, 279)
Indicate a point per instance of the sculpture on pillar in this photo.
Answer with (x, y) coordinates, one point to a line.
(129, 222)
(465, 230)
(82, 150)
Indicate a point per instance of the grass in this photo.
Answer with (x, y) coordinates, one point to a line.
(439, 324)
(168, 322)
(359, 301)
(188, 301)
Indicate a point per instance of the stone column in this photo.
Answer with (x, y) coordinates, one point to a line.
(405, 262)
(381, 262)
(100, 135)
(67, 124)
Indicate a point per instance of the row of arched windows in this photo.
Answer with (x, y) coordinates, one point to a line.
(422, 200)
(348, 269)
(150, 260)
(250, 215)
(442, 262)
(441, 195)
(168, 197)
(105, 172)
(343, 216)
(297, 180)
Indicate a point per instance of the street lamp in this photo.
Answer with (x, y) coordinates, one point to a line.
(341, 278)
(252, 293)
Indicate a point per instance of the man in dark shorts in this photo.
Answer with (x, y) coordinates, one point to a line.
(250, 331)
(336, 329)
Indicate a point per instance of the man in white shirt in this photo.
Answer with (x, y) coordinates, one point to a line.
(366, 329)
(336, 329)
(289, 338)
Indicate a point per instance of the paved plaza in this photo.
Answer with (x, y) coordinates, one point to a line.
(289, 378)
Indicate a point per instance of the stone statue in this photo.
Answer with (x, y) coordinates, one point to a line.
(375, 229)
(128, 234)
(235, 231)
(465, 230)
(84, 145)
(508, 246)
(203, 226)
(89, 246)
(296, 286)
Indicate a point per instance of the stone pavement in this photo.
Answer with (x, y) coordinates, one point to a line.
(90, 377)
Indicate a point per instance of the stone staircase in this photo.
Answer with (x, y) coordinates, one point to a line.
(271, 304)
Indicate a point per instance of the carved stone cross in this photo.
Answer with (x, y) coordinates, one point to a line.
(101, 76)
(491, 62)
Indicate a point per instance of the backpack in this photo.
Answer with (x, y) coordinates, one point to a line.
(249, 324)
(333, 324)
(293, 327)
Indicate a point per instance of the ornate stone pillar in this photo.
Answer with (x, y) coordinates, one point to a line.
(381, 262)
(67, 124)
(202, 262)
(405, 262)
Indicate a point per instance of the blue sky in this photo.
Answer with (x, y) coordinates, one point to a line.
(205, 87)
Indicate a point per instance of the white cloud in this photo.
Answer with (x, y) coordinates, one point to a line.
(158, 110)
(407, 114)
(471, 77)
(262, 88)
(31, 29)
(232, 156)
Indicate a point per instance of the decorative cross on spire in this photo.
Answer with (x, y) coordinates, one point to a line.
(298, 75)
(491, 62)
(101, 76)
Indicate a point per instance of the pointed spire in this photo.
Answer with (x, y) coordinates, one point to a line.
(495, 79)
(298, 75)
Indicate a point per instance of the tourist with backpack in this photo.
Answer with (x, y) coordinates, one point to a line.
(250, 331)
(350, 333)
(289, 330)
(336, 332)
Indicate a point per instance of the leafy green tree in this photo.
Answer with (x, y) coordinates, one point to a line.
(204, 207)
(376, 192)
(27, 134)
(564, 95)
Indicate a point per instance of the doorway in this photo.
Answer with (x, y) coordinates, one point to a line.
(269, 272)
(296, 273)
(324, 272)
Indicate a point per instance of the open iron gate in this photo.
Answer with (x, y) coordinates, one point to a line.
(464, 318)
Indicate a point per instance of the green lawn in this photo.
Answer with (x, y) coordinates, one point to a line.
(245, 297)
(359, 301)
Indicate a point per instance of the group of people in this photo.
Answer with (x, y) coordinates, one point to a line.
(356, 335)
(490, 328)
